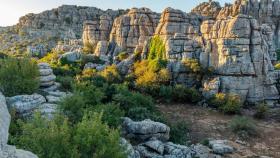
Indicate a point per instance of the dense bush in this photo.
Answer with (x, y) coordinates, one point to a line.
(181, 93)
(58, 139)
(111, 74)
(227, 103)
(47, 139)
(85, 96)
(18, 76)
(261, 112)
(142, 113)
(96, 139)
(243, 126)
(151, 74)
(179, 132)
(111, 113)
(128, 99)
(66, 82)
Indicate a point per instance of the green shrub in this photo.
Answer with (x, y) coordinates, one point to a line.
(142, 113)
(56, 138)
(157, 49)
(151, 74)
(47, 139)
(261, 111)
(73, 107)
(128, 99)
(243, 126)
(111, 113)
(66, 82)
(227, 103)
(111, 74)
(165, 92)
(18, 76)
(179, 132)
(181, 93)
(95, 139)
(91, 94)
(85, 96)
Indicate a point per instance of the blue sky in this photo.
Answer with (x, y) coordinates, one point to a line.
(11, 10)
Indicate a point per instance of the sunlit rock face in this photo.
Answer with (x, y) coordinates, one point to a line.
(131, 31)
(239, 53)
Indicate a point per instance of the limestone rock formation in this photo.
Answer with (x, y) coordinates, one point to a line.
(151, 144)
(7, 151)
(130, 31)
(209, 10)
(25, 104)
(237, 51)
(220, 147)
(71, 45)
(47, 78)
(145, 129)
(98, 30)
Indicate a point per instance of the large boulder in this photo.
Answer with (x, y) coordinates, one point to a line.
(71, 56)
(145, 130)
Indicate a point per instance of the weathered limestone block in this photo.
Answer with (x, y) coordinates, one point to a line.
(24, 104)
(47, 78)
(131, 152)
(145, 130)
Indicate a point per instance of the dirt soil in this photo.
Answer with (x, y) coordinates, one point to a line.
(207, 123)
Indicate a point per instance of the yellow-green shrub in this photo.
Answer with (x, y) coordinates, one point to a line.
(227, 103)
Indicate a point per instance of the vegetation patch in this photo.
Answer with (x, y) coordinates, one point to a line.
(18, 76)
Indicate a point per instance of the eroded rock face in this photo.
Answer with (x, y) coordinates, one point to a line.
(236, 49)
(98, 30)
(130, 31)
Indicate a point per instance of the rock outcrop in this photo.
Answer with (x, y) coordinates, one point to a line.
(237, 51)
(145, 129)
(7, 151)
(151, 140)
(132, 30)
(25, 104)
